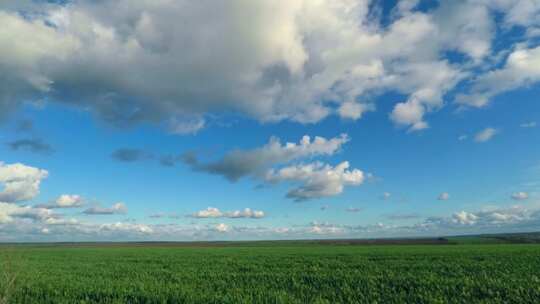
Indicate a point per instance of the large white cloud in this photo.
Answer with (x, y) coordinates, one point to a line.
(20, 182)
(298, 60)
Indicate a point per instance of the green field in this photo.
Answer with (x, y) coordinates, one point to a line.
(271, 273)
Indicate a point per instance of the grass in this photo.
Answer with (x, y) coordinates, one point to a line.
(308, 273)
(8, 275)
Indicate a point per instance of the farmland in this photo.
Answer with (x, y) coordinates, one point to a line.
(271, 272)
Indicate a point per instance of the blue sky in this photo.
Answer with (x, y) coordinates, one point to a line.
(425, 126)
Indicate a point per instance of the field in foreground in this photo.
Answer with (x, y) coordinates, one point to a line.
(279, 273)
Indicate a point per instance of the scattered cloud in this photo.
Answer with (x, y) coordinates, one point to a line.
(64, 201)
(485, 135)
(130, 155)
(118, 208)
(242, 163)
(212, 212)
(443, 196)
(522, 68)
(316, 180)
(530, 124)
(519, 196)
(34, 145)
(399, 217)
(222, 227)
(20, 182)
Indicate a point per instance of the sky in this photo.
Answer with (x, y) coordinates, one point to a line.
(243, 120)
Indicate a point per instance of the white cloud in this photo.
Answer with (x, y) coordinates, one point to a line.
(522, 68)
(520, 196)
(212, 212)
(386, 195)
(353, 110)
(240, 163)
(463, 137)
(20, 182)
(10, 211)
(126, 228)
(353, 209)
(222, 228)
(464, 218)
(300, 60)
(530, 124)
(317, 179)
(443, 196)
(485, 135)
(118, 208)
(65, 201)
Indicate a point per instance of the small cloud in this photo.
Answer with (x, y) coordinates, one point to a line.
(398, 217)
(443, 196)
(222, 228)
(118, 208)
(485, 135)
(34, 145)
(130, 155)
(352, 209)
(186, 125)
(64, 201)
(170, 160)
(519, 196)
(212, 212)
(386, 195)
(463, 137)
(530, 124)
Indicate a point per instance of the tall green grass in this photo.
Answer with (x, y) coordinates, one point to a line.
(305, 274)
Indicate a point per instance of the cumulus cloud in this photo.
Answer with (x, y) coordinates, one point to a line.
(118, 208)
(121, 227)
(522, 68)
(222, 227)
(300, 60)
(519, 196)
(10, 211)
(316, 179)
(495, 217)
(485, 135)
(65, 201)
(20, 182)
(34, 145)
(241, 163)
(443, 196)
(212, 212)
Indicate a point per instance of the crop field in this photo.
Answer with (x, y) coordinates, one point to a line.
(271, 273)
